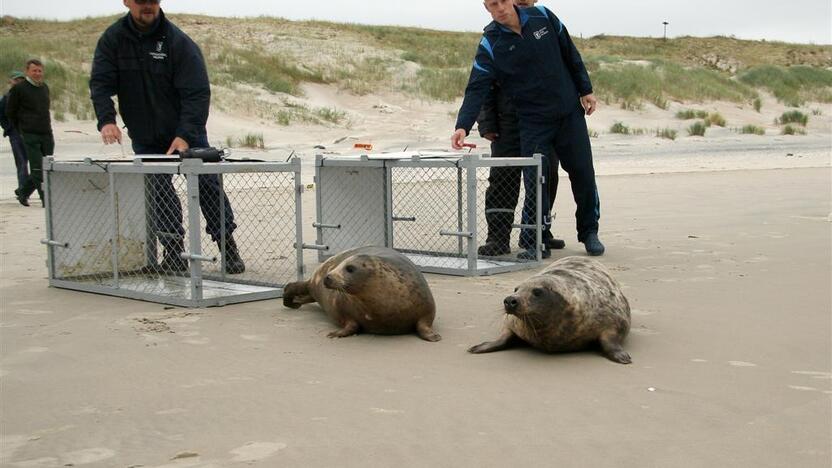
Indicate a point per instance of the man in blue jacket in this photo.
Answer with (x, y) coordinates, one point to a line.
(159, 76)
(530, 54)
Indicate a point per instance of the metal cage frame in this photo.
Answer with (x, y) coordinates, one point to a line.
(194, 279)
(382, 186)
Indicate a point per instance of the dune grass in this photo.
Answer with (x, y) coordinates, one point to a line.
(752, 130)
(795, 116)
(793, 86)
(666, 133)
(697, 129)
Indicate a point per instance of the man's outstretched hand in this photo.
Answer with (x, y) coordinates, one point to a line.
(458, 139)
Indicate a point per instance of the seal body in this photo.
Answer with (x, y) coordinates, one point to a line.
(369, 289)
(571, 305)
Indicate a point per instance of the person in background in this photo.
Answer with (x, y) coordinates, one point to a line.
(16, 143)
(27, 109)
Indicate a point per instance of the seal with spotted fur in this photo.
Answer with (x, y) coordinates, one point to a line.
(369, 289)
(569, 306)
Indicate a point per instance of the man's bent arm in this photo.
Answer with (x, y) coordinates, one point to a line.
(483, 76)
(191, 80)
(104, 82)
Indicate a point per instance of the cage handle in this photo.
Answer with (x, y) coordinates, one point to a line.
(469, 235)
(199, 258)
(52, 243)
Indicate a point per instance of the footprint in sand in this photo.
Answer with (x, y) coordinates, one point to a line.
(254, 451)
(86, 456)
(741, 364)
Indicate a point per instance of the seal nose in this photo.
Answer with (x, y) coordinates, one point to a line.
(328, 282)
(510, 303)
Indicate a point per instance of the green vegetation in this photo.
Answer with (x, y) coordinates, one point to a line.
(689, 114)
(791, 85)
(793, 117)
(666, 133)
(716, 119)
(790, 130)
(752, 130)
(592, 133)
(620, 129)
(697, 129)
(276, 57)
(249, 140)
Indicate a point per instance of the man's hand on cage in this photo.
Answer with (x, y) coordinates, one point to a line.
(110, 133)
(178, 146)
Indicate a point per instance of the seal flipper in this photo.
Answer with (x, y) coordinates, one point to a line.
(296, 294)
(611, 345)
(350, 328)
(425, 332)
(506, 340)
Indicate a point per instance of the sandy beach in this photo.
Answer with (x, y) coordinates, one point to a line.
(724, 255)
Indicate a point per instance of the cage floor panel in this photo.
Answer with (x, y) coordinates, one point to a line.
(179, 286)
(459, 263)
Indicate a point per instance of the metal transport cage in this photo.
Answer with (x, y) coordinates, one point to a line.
(185, 233)
(429, 206)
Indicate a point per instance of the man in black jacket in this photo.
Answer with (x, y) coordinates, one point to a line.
(529, 52)
(159, 76)
(16, 143)
(28, 111)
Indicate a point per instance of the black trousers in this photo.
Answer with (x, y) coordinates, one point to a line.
(504, 189)
(568, 138)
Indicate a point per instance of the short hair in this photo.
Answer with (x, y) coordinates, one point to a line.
(33, 61)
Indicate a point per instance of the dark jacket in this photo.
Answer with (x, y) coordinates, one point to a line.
(27, 108)
(4, 120)
(540, 69)
(159, 77)
(499, 116)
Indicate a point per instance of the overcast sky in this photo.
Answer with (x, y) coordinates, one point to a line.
(806, 21)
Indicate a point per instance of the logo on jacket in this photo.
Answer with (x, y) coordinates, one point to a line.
(541, 32)
(159, 55)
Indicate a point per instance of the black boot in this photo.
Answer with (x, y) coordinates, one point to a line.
(172, 262)
(499, 235)
(234, 264)
(593, 245)
(22, 199)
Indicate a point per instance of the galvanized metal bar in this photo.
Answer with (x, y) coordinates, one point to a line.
(319, 205)
(411, 219)
(459, 207)
(194, 228)
(301, 268)
(459, 234)
(539, 204)
(471, 164)
(388, 208)
(47, 194)
(199, 258)
(52, 243)
(326, 226)
(114, 215)
(318, 247)
(223, 235)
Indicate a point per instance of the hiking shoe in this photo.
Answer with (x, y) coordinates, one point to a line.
(593, 246)
(493, 249)
(531, 254)
(555, 244)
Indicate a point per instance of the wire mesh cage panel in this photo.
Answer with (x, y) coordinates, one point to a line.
(435, 208)
(183, 233)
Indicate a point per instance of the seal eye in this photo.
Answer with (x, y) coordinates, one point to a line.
(350, 269)
(537, 292)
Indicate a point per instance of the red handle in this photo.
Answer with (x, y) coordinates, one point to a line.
(365, 146)
(469, 145)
